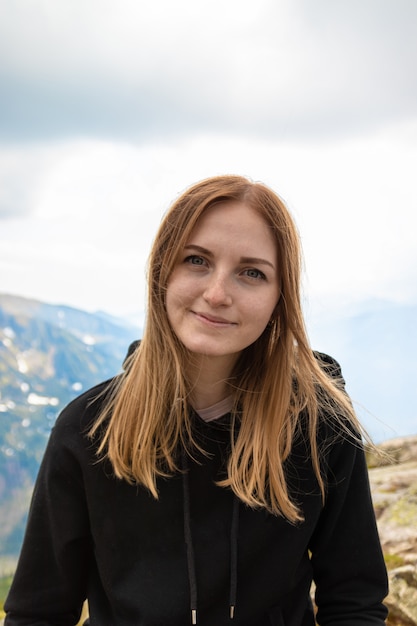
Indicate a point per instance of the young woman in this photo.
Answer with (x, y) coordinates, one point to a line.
(223, 471)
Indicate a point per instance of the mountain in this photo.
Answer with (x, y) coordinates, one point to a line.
(377, 349)
(48, 355)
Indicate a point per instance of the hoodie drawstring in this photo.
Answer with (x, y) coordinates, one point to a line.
(192, 578)
(234, 534)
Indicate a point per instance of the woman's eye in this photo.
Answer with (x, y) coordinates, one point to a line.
(193, 259)
(257, 274)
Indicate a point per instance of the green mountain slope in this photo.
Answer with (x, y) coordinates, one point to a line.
(48, 355)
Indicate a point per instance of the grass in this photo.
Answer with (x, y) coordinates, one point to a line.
(5, 582)
(393, 560)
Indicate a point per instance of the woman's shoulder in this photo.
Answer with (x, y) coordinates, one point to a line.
(82, 411)
(69, 445)
(328, 364)
(336, 418)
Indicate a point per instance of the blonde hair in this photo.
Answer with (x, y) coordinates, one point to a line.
(278, 381)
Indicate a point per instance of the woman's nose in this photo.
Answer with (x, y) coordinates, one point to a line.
(217, 292)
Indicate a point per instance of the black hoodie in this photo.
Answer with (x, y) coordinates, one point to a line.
(147, 562)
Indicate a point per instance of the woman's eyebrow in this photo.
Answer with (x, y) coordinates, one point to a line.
(243, 259)
(191, 246)
(256, 261)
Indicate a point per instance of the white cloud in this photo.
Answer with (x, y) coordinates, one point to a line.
(141, 69)
(20, 170)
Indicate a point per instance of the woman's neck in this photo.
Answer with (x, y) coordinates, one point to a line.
(210, 381)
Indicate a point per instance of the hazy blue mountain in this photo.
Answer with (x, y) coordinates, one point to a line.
(48, 355)
(377, 348)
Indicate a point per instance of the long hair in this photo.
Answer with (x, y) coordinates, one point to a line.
(277, 381)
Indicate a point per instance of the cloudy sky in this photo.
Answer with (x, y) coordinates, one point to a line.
(108, 110)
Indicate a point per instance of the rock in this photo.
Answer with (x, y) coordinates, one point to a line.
(394, 492)
(402, 600)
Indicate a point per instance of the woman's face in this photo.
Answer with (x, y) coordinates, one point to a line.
(225, 284)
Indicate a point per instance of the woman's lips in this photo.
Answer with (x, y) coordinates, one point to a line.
(211, 319)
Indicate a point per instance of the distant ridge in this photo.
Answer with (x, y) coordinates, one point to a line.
(48, 355)
(377, 349)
